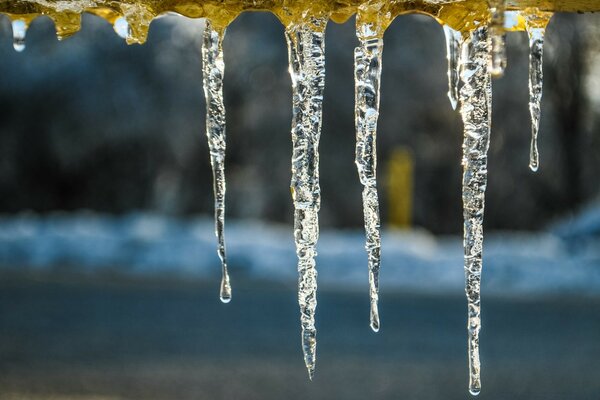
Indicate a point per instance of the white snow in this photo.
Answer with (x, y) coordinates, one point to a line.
(565, 259)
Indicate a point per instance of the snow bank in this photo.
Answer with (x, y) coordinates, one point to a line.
(563, 260)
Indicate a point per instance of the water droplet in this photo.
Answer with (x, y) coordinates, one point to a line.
(19, 28)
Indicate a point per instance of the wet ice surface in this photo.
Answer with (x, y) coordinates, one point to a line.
(475, 108)
(213, 67)
(306, 47)
(367, 75)
(565, 259)
(453, 43)
(19, 28)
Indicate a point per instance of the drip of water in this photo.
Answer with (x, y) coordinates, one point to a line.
(535, 31)
(498, 35)
(453, 43)
(367, 77)
(475, 109)
(306, 47)
(19, 28)
(122, 28)
(213, 70)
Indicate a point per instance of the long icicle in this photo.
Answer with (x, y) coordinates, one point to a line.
(213, 69)
(453, 43)
(475, 109)
(536, 28)
(306, 46)
(367, 77)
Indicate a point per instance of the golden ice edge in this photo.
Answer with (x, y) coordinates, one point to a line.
(462, 15)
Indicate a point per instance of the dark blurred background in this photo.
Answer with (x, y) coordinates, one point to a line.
(120, 301)
(92, 123)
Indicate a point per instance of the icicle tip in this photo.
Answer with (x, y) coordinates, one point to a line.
(475, 391)
(225, 294)
(375, 325)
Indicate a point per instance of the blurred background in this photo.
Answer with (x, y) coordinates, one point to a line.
(108, 260)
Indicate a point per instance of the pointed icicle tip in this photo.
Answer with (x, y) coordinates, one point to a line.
(19, 28)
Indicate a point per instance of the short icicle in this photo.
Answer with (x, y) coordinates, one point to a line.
(122, 28)
(213, 69)
(306, 46)
(453, 43)
(367, 77)
(475, 109)
(19, 28)
(536, 27)
(498, 37)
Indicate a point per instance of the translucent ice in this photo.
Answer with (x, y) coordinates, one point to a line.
(367, 77)
(475, 109)
(214, 68)
(306, 45)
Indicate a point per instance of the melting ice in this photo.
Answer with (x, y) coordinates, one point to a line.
(19, 28)
(306, 48)
(475, 108)
(367, 77)
(536, 51)
(213, 71)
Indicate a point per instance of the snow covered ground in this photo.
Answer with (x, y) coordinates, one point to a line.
(565, 259)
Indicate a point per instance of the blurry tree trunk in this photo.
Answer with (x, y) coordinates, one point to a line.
(566, 75)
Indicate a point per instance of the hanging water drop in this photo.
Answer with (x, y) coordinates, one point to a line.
(475, 109)
(536, 28)
(498, 37)
(19, 28)
(367, 77)
(122, 28)
(213, 67)
(453, 43)
(306, 48)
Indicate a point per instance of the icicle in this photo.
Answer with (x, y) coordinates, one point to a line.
(453, 43)
(306, 46)
(122, 28)
(498, 35)
(19, 28)
(536, 27)
(367, 76)
(475, 109)
(214, 68)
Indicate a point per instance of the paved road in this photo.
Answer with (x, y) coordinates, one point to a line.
(101, 339)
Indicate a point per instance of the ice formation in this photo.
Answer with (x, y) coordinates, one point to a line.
(213, 71)
(475, 37)
(306, 49)
(367, 77)
(475, 109)
(453, 43)
(19, 28)
(535, 24)
(498, 37)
